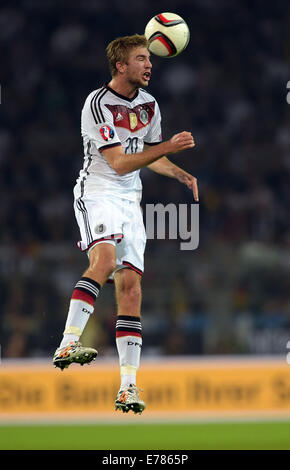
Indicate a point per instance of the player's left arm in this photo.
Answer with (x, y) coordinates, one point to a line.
(165, 167)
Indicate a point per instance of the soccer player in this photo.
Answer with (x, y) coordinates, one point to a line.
(121, 130)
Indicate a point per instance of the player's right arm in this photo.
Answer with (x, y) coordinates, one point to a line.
(126, 163)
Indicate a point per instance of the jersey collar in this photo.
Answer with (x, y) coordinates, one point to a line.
(122, 96)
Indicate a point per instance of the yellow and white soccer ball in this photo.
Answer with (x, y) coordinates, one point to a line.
(168, 35)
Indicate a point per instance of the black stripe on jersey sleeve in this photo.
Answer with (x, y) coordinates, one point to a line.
(96, 108)
(153, 143)
(99, 106)
(116, 144)
(96, 111)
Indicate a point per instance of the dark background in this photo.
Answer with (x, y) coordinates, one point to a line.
(231, 295)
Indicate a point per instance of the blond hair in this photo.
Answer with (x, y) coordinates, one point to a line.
(119, 49)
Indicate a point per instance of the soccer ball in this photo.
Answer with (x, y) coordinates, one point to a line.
(168, 35)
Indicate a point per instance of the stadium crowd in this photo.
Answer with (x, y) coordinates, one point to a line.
(229, 88)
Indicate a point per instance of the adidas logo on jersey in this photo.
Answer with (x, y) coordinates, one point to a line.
(119, 117)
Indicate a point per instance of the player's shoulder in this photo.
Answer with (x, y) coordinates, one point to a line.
(94, 105)
(96, 94)
(146, 95)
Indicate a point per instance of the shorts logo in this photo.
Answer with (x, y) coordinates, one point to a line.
(100, 228)
(107, 133)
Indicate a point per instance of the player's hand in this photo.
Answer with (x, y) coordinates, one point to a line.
(182, 141)
(190, 181)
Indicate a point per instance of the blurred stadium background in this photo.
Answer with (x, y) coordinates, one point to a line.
(229, 298)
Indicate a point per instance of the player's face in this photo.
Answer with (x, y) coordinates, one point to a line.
(138, 67)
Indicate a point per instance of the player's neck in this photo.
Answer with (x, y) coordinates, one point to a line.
(122, 88)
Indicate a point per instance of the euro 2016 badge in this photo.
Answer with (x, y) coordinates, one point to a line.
(107, 133)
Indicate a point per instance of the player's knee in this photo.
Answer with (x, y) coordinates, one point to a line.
(134, 292)
(107, 266)
(131, 289)
(110, 263)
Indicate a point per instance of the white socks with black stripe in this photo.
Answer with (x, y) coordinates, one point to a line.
(129, 343)
(81, 307)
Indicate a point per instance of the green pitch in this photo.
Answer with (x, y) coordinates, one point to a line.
(169, 436)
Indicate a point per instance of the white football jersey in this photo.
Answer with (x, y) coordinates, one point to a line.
(110, 119)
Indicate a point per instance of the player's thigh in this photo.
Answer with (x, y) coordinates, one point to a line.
(103, 256)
